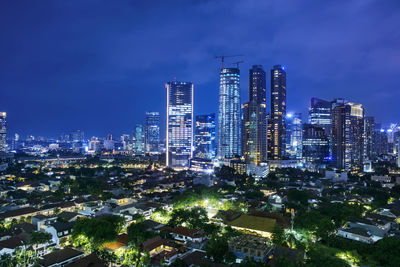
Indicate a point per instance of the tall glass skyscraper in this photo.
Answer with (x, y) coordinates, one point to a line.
(277, 118)
(152, 132)
(3, 131)
(204, 137)
(179, 124)
(369, 133)
(315, 144)
(254, 118)
(294, 134)
(347, 135)
(138, 140)
(229, 113)
(320, 113)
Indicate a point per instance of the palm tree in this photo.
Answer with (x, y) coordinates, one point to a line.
(37, 238)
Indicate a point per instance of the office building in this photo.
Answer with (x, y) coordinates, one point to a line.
(204, 137)
(369, 135)
(294, 135)
(254, 118)
(315, 144)
(152, 132)
(347, 135)
(179, 124)
(3, 131)
(277, 118)
(229, 141)
(319, 113)
(138, 140)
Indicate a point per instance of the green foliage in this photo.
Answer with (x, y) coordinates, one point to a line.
(298, 196)
(38, 237)
(138, 234)
(319, 255)
(278, 237)
(191, 218)
(387, 252)
(97, 231)
(218, 249)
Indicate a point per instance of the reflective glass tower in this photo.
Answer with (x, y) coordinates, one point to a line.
(3, 131)
(152, 132)
(294, 136)
(320, 114)
(229, 113)
(138, 148)
(204, 137)
(254, 118)
(179, 139)
(277, 118)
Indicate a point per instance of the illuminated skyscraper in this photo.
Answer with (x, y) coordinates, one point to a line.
(204, 137)
(276, 123)
(254, 120)
(347, 135)
(315, 144)
(152, 134)
(294, 135)
(229, 113)
(369, 133)
(138, 140)
(3, 131)
(320, 114)
(179, 124)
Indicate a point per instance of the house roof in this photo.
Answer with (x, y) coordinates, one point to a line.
(254, 223)
(67, 216)
(91, 260)
(60, 226)
(59, 256)
(180, 230)
(11, 243)
(198, 258)
(18, 212)
(153, 243)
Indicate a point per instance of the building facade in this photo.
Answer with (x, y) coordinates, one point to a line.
(204, 137)
(347, 135)
(369, 133)
(294, 135)
(277, 118)
(315, 144)
(138, 140)
(3, 131)
(179, 136)
(152, 132)
(229, 113)
(254, 118)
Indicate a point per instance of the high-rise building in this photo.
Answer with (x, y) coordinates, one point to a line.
(347, 135)
(229, 113)
(204, 137)
(126, 142)
(152, 134)
(381, 144)
(179, 124)
(369, 133)
(138, 140)
(315, 144)
(3, 131)
(77, 136)
(294, 135)
(320, 113)
(254, 118)
(276, 122)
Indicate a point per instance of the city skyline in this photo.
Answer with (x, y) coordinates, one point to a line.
(67, 85)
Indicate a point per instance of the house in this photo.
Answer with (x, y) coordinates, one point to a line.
(59, 230)
(294, 255)
(67, 216)
(381, 179)
(259, 225)
(356, 234)
(18, 214)
(199, 258)
(8, 246)
(184, 234)
(60, 257)
(160, 250)
(120, 244)
(250, 247)
(152, 225)
(91, 260)
(41, 221)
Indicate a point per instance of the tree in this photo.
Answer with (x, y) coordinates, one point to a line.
(138, 234)
(297, 196)
(218, 249)
(193, 218)
(278, 236)
(37, 238)
(387, 251)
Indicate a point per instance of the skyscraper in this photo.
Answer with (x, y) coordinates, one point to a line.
(138, 140)
(204, 137)
(294, 135)
(369, 133)
(315, 144)
(347, 135)
(320, 114)
(3, 131)
(229, 113)
(152, 132)
(276, 123)
(179, 124)
(254, 120)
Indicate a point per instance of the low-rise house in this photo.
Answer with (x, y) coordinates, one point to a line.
(10, 245)
(120, 244)
(160, 250)
(60, 257)
(18, 214)
(91, 260)
(356, 234)
(199, 258)
(184, 234)
(41, 221)
(59, 230)
(250, 247)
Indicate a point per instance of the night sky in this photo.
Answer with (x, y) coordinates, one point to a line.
(100, 65)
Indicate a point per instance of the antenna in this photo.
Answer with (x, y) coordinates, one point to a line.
(223, 58)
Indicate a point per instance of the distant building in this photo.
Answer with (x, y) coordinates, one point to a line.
(126, 142)
(3, 131)
(204, 137)
(369, 135)
(254, 118)
(152, 132)
(320, 114)
(179, 124)
(229, 113)
(347, 135)
(276, 123)
(138, 140)
(294, 136)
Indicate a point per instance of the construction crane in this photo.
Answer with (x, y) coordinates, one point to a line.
(223, 58)
(237, 63)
